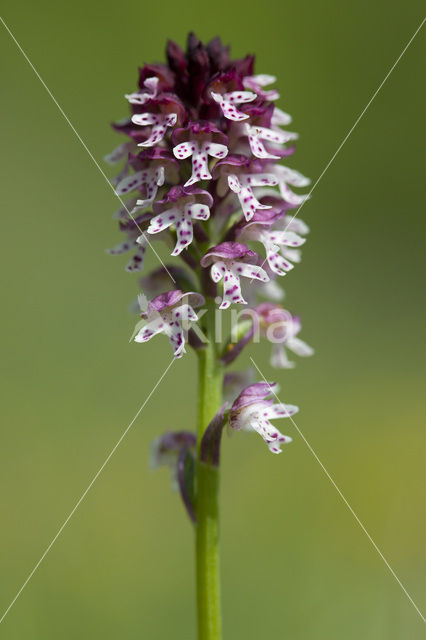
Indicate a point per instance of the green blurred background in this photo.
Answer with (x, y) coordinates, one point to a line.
(295, 562)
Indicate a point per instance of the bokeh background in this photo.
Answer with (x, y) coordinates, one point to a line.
(295, 562)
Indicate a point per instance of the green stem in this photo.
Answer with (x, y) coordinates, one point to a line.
(207, 487)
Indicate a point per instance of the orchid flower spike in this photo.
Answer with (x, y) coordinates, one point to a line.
(200, 171)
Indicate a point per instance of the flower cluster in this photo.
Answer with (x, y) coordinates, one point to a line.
(202, 172)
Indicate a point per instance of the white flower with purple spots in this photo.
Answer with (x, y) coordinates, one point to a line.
(151, 178)
(279, 244)
(151, 169)
(242, 175)
(199, 142)
(169, 314)
(228, 91)
(164, 111)
(230, 261)
(256, 134)
(119, 153)
(179, 208)
(243, 185)
(254, 409)
(159, 123)
(135, 240)
(227, 102)
(282, 329)
(286, 176)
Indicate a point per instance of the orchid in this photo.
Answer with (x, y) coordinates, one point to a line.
(279, 244)
(201, 172)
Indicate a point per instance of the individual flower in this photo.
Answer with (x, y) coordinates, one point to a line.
(276, 242)
(281, 329)
(199, 140)
(230, 261)
(168, 314)
(241, 176)
(179, 208)
(121, 152)
(162, 112)
(256, 134)
(136, 240)
(228, 91)
(152, 167)
(287, 176)
(253, 410)
(266, 139)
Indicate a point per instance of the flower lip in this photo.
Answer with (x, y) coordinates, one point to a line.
(170, 299)
(254, 393)
(227, 251)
